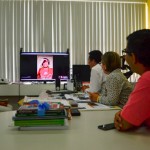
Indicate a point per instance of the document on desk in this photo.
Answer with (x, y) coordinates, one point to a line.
(77, 99)
(71, 96)
(96, 106)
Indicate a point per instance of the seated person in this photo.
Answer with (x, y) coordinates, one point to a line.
(45, 72)
(117, 88)
(97, 75)
(136, 112)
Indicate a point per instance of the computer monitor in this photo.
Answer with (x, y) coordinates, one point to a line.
(44, 66)
(81, 73)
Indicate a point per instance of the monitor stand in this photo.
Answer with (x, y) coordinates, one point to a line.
(57, 84)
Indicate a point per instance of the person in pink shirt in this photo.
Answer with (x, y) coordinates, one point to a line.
(136, 112)
(45, 72)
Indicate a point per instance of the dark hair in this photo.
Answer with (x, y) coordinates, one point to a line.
(139, 43)
(111, 60)
(45, 60)
(95, 55)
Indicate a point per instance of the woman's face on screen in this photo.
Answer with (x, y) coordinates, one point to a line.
(45, 64)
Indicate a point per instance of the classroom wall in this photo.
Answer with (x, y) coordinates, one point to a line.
(55, 26)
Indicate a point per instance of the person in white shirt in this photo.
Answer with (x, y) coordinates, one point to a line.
(97, 75)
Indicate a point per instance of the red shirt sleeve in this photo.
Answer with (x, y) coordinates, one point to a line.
(137, 109)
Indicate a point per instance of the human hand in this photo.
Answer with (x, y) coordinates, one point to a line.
(118, 121)
(84, 87)
(93, 96)
(121, 124)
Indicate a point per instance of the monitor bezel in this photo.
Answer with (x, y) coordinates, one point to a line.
(43, 53)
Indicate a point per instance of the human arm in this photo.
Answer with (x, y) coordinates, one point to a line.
(50, 73)
(121, 124)
(39, 74)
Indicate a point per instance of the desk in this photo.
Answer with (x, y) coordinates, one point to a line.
(81, 135)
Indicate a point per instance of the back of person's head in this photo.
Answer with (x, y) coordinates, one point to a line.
(95, 55)
(139, 43)
(111, 60)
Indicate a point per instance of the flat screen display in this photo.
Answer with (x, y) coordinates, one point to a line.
(82, 73)
(44, 66)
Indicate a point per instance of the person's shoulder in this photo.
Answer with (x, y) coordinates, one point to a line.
(116, 75)
(144, 79)
(97, 67)
(146, 75)
(50, 69)
(40, 68)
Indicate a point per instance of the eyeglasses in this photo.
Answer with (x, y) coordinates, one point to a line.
(124, 52)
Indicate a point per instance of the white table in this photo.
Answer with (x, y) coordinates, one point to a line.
(82, 134)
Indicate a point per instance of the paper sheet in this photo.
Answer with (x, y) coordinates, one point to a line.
(96, 106)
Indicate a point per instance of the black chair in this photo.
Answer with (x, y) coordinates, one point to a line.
(128, 72)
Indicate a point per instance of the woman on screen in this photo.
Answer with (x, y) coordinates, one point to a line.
(45, 72)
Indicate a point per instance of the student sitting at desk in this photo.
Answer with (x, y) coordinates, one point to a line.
(117, 88)
(97, 76)
(136, 112)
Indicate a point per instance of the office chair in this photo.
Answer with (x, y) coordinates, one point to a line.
(128, 72)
